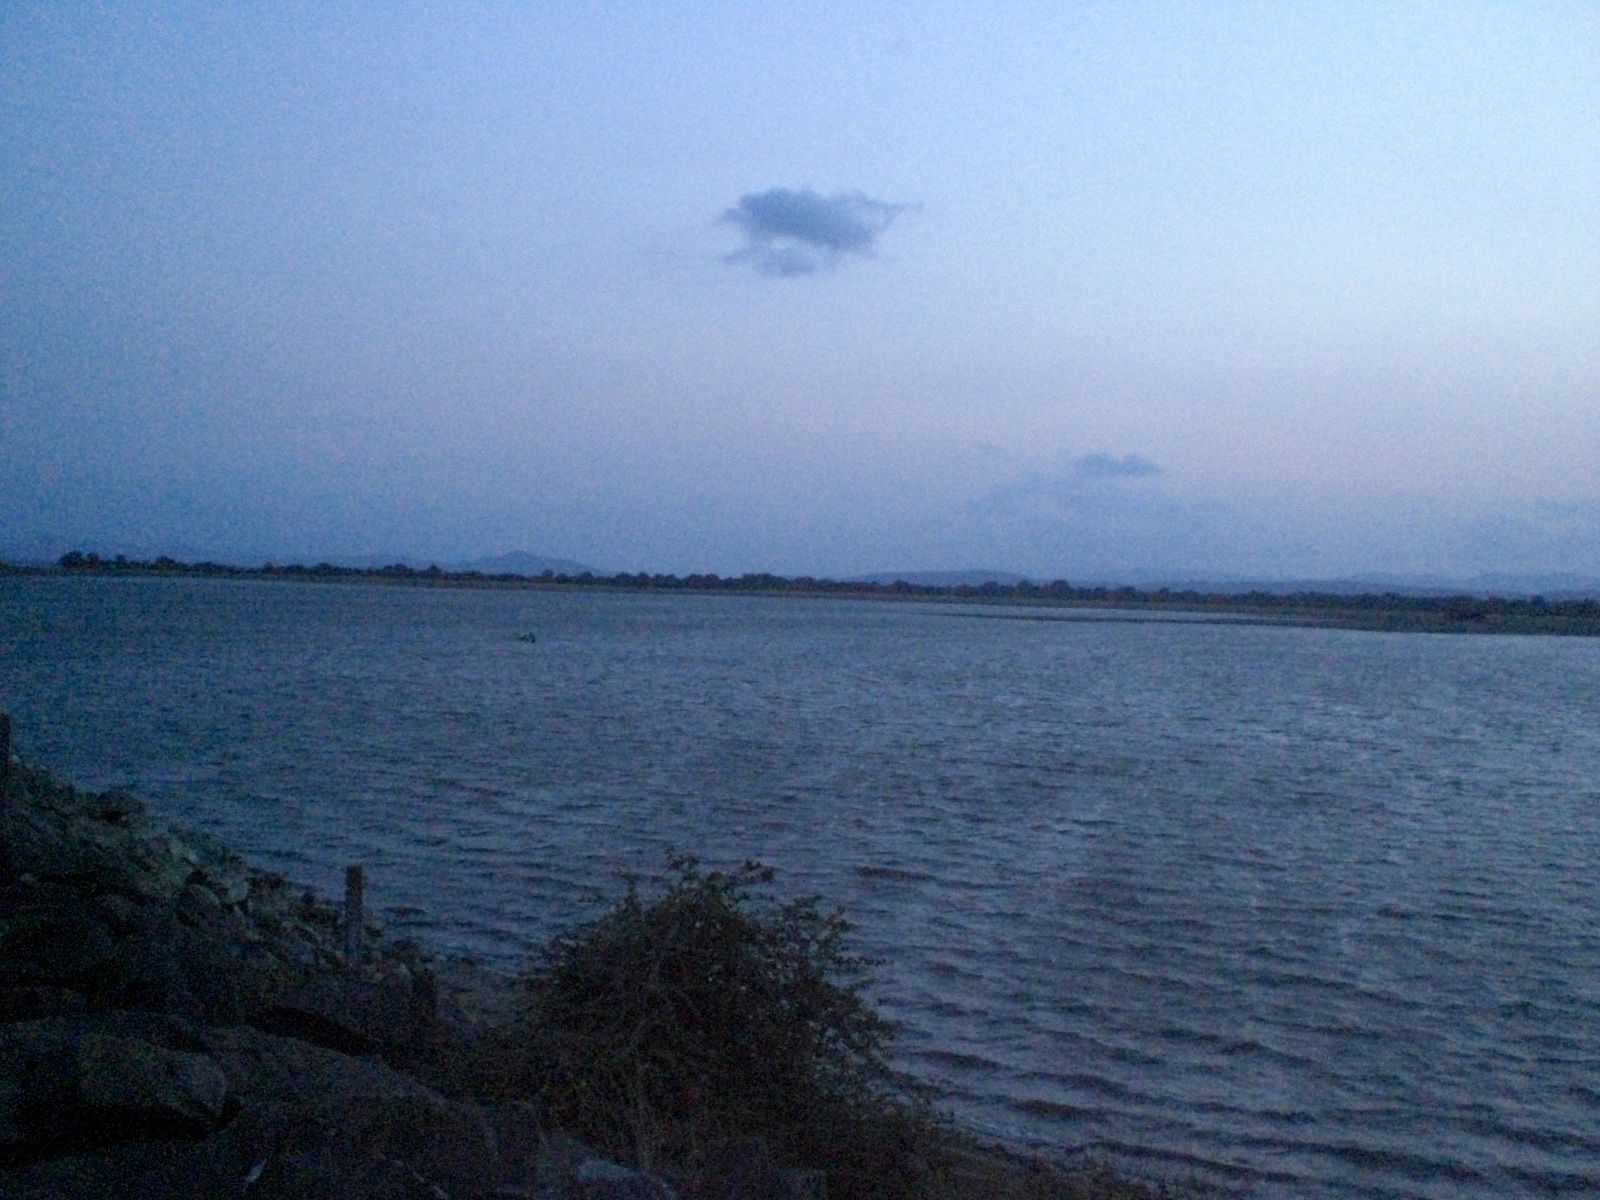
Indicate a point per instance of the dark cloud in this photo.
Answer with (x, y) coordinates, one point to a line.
(1094, 513)
(1087, 483)
(798, 232)
(1103, 466)
(1548, 535)
(1093, 491)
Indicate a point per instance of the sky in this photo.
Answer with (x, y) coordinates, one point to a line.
(1078, 290)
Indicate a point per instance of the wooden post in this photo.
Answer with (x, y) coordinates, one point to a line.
(425, 999)
(5, 798)
(353, 918)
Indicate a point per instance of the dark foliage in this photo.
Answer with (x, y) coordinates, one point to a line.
(702, 1012)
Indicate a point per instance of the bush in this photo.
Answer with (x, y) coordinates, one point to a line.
(703, 1013)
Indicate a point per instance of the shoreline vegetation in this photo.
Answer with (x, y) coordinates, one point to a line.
(1058, 600)
(174, 1021)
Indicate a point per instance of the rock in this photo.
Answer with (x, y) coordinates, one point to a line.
(39, 849)
(339, 1169)
(69, 1082)
(14, 1133)
(263, 1068)
(37, 1087)
(126, 1085)
(217, 1166)
(115, 807)
(452, 1145)
(147, 970)
(741, 1169)
(342, 1118)
(569, 1170)
(229, 881)
(601, 1179)
(199, 907)
(120, 913)
(305, 1122)
(56, 943)
(518, 1142)
(140, 1170)
(171, 967)
(40, 1000)
(286, 1020)
(130, 951)
(389, 1013)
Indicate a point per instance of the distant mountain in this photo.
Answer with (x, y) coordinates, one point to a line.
(519, 562)
(967, 578)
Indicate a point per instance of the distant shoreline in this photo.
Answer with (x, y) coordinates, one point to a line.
(1388, 612)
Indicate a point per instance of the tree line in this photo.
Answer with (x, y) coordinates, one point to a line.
(1460, 608)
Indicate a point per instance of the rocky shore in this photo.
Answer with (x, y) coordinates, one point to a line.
(176, 1023)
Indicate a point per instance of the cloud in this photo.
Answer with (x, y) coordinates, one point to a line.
(1545, 536)
(1095, 513)
(798, 232)
(1103, 466)
(1089, 483)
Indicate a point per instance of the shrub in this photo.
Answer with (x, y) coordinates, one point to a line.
(703, 1012)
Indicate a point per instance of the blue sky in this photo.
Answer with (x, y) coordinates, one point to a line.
(1070, 289)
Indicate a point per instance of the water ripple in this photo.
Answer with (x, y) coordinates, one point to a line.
(1305, 911)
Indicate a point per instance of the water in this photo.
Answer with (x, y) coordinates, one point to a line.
(1312, 912)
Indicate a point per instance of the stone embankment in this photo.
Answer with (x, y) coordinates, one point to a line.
(176, 1023)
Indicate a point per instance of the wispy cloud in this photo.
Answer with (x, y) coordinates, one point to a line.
(1091, 513)
(1547, 535)
(800, 232)
(1103, 466)
(1089, 483)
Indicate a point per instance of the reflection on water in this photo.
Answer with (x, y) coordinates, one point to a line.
(1311, 910)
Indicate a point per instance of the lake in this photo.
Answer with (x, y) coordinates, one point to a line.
(1312, 912)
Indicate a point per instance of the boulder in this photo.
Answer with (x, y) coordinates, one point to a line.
(570, 1170)
(53, 940)
(139, 1105)
(122, 914)
(132, 1087)
(170, 966)
(67, 1082)
(519, 1137)
(393, 1012)
(744, 1169)
(39, 1000)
